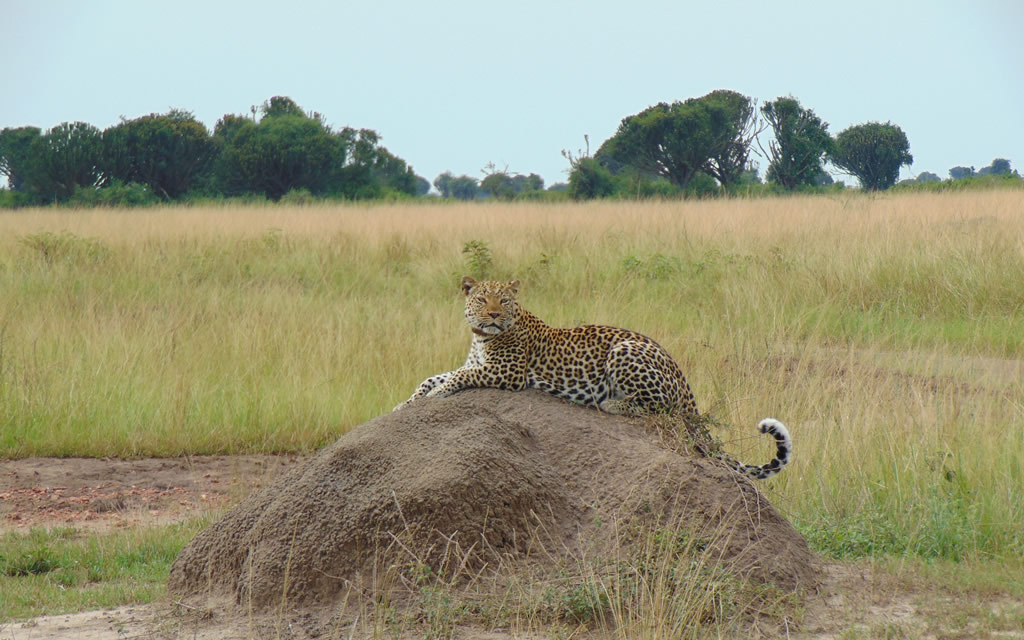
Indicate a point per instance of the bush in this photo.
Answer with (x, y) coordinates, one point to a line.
(973, 183)
(14, 199)
(590, 179)
(116, 194)
(298, 197)
(702, 186)
(558, 195)
(635, 186)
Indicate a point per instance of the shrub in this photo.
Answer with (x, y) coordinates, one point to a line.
(590, 179)
(298, 197)
(116, 194)
(14, 199)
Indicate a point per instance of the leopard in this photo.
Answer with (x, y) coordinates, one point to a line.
(617, 371)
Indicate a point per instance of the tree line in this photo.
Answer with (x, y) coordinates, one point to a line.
(708, 141)
(703, 146)
(699, 146)
(278, 149)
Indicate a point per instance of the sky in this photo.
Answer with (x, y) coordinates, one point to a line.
(455, 86)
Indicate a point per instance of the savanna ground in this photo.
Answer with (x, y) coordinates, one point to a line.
(886, 331)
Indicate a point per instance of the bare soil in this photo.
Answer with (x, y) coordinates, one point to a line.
(99, 495)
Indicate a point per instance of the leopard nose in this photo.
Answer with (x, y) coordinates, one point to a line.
(494, 314)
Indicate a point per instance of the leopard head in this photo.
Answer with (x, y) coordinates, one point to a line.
(491, 306)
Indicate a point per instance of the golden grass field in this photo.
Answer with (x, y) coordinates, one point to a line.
(887, 331)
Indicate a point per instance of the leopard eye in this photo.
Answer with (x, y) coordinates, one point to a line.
(481, 300)
(505, 301)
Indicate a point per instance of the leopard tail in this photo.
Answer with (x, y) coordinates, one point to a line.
(783, 452)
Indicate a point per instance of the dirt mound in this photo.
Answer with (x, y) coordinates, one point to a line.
(478, 478)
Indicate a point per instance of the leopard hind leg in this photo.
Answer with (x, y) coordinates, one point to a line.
(641, 378)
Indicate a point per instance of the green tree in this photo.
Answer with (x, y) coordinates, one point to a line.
(290, 149)
(523, 184)
(801, 142)
(281, 106)
(873, 152)
(228, 126)
(369, 169)
(676, 141)
(66, 157)
(750, 176)
(673, 141)
(733, 120)
(285, 150)
(499, 185)
(391, 172)
(361, 153)
(506, 186)
(999, 166)
(166, 152)
(959, 173)
(463, 187)
(16, 155)
(228, 176)
(443, 184)
(823, 179)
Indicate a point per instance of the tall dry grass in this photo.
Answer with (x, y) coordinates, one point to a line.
(886, 331)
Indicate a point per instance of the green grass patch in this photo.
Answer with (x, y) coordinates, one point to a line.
(48, 572)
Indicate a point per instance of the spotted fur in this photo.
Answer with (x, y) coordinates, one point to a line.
(615, 370)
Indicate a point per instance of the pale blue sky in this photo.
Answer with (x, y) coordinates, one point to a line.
(455, 85)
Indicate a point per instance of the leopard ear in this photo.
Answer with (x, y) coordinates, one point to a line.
(467, 284)
(514, 286)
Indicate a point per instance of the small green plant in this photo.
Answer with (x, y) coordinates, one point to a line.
(440, 612)
(478, 258)
(586, 602)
